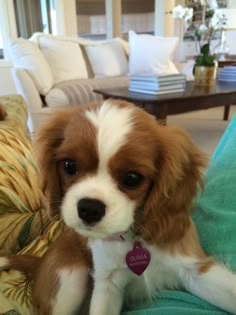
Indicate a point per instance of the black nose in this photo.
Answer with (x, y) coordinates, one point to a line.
(90, 210)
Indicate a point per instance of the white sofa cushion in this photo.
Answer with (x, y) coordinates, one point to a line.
(27, 55)
(80, 92)
(151, 54)
(65, 58)
(83, 43)
(107, 60)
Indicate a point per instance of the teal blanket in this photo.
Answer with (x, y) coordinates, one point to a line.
(215, 218)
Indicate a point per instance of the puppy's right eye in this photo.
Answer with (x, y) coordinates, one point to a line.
(70, 167)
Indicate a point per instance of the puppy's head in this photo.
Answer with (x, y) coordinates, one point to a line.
(110, 166)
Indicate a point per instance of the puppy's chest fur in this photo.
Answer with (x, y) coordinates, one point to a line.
(109, 258)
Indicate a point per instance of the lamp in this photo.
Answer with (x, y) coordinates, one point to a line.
(222, 49)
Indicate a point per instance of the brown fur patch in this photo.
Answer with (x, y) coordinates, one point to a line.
(68, 135)
(3, 113)
(178, 171)
(189, 246)
(69, 251)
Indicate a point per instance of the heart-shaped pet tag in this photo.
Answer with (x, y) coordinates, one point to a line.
(138, 259)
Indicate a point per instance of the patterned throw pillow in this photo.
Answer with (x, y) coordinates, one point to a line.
(23, 218)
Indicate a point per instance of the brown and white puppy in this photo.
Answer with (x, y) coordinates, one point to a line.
(112, 171)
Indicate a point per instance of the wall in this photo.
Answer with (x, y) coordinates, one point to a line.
(8, 29)
(230, 37)
(66, 17)
(6, 83)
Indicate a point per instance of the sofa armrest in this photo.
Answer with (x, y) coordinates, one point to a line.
(26, 87)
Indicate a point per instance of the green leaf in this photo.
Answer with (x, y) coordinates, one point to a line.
(197, 34)
(24, 234)
(205, 49)
(209, 13)
(205, 60)
(199, 61)
(209, 60)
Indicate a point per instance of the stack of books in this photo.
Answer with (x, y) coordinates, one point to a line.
(227, 73)
(158, 84)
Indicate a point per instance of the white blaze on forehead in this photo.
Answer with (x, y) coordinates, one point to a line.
(113, 123)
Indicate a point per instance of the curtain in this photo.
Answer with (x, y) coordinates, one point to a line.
(28, 17)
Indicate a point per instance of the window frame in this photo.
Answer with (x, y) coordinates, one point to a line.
(7, 26)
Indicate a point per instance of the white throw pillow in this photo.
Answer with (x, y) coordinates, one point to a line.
(107, 59)
(65, 58)
(151, 54)
(27, 55)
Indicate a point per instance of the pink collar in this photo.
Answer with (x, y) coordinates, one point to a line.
(129, 235)
(116, 238)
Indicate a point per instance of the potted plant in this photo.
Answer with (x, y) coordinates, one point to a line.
(205, 67)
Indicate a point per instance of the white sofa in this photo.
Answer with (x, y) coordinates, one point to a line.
(51, 72)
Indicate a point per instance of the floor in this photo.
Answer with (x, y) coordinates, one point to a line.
(206, 126)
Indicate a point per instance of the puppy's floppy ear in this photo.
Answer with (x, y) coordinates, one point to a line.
(179, 171)
(48, 139)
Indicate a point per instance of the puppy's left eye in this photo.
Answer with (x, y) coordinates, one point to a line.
(70, 167)
(132, 179)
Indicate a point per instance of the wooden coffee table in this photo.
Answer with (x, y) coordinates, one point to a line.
(192, 99)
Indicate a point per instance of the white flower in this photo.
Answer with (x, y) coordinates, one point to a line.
(203, 2)
(181, 12)
(203, 28)
(218, 20)
(188, 14)
(178, 12)
(213, 5)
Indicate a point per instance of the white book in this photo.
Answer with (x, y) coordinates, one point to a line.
(227, 79)
(157, 92)
(158, 84)
(229, 76)
(227, 73)
(159, 78)
(229, 68)
(155, 87)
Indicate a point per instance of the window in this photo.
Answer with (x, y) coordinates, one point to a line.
(7, 25)
(137, 15)
(1, 46)
(34, 16)
(91, 19)
(48, 16)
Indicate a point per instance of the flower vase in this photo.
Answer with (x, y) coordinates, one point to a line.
(205, 75)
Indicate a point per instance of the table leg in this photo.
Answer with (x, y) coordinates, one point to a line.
(226, 112)
(158, 111)
(161, 121)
